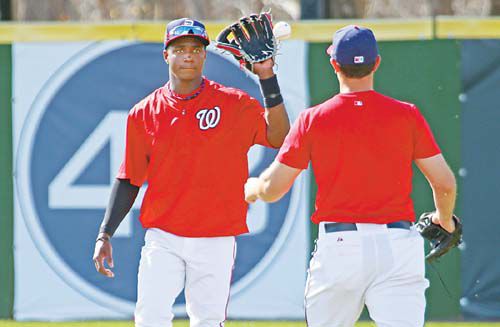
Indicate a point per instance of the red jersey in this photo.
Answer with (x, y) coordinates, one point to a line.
(361, 146)
(193, 154)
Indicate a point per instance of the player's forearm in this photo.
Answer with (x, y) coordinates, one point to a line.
(443, 184)
(444, 199)
(278, 125)
(277, 120)
(269, 190)
(121, 200)
(270, 194)
(276, 181)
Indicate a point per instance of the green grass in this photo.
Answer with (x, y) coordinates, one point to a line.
(183, 323)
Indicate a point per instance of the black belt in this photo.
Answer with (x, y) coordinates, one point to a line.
(343, 227)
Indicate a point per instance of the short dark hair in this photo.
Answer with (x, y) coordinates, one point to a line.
(357, 71)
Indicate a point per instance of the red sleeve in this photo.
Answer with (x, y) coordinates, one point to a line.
(255, 114)
(425, 144)
(296, 149)
(136, 159)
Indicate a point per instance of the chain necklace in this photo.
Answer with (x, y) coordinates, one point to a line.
(189, 97)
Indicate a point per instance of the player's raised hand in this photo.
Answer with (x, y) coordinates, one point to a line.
(264, 69)
(103, 252)
(250, 40)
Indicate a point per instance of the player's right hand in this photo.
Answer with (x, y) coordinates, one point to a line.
(252, 187)
(103, 251)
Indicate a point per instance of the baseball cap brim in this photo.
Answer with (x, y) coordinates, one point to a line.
(204, 40)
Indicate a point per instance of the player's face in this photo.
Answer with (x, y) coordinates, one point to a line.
(185, 57)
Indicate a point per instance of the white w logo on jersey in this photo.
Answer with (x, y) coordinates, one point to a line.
(209, 118)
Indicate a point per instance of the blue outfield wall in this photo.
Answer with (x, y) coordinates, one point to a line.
(480, 176)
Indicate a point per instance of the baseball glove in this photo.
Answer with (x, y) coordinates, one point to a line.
(441, 240)
(249, 40)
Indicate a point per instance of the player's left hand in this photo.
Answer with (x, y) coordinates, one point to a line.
(250, 40)
(264, 69)
(252, 187)
(447, 224)
(441, 235)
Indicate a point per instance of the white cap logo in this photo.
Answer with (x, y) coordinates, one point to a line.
(359, 59)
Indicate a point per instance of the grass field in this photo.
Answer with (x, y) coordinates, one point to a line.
(4, 323)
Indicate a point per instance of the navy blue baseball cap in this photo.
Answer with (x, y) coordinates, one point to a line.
(185, 27)
(353, 45)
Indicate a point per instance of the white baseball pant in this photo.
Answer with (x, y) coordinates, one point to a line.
(200, 266)
(381, 267)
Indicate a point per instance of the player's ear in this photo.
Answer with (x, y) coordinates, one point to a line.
(165, 56)
(377, 63)
(335, 65)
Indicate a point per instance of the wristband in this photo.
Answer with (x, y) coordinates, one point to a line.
(270, 90)
(103, 238)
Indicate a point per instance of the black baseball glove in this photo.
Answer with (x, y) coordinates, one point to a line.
(249, 40)
(441, 240)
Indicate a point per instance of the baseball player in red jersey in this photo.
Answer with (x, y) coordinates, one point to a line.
(189, 140)
(361, 145)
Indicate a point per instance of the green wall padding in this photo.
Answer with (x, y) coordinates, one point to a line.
(6, 187)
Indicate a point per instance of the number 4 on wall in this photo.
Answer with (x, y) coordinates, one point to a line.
(65, 194)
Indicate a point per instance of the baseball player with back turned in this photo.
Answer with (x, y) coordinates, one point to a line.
(189, 140)
(362, 144)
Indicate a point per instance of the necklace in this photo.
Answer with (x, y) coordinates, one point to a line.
(189, 97)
